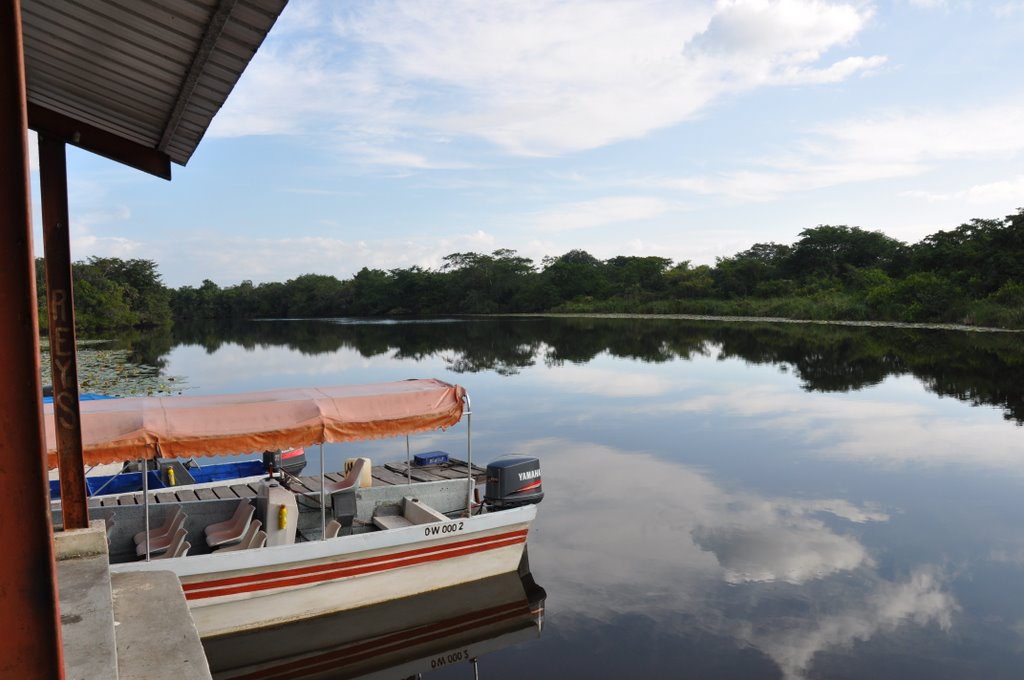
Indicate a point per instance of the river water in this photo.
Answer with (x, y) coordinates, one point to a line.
(723, 500)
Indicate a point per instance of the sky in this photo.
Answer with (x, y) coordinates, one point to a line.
(388, 134)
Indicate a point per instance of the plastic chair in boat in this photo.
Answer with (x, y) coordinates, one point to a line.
(343, 493)
(231, 530)
(259, 540)
(350, 480)
(178, 546)
(160, 542)
(248, 539)
(108, 524)
(172, 522)
(332, 529)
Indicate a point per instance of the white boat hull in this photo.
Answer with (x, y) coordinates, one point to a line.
(237, 591)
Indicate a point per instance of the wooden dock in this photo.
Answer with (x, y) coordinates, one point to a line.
(383, 475)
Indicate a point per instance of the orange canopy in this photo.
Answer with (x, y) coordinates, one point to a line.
(140, 427)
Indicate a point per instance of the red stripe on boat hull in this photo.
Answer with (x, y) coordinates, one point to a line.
(337, 570)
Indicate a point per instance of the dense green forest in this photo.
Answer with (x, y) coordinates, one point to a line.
(112, 293)
(973, 274)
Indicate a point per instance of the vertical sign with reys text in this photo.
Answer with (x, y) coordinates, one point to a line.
(61, 316)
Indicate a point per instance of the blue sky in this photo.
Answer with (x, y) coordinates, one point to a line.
(389, 134)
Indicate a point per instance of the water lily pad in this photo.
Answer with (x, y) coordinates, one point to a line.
(110, 372)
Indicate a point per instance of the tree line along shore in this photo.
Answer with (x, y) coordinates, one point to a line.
(971, 275)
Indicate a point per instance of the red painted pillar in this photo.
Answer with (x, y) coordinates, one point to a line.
(53, 188)
(30, 638)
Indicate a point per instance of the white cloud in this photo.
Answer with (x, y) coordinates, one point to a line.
(993, 131)
(837, 507)
(790, 30)
(536, 77)
(603, 211)
(805, 174)
(996, 194)
(928, 196)
(883, 147)
(795, 409)
(895, 432)
(921, 599)
(1008, 556)
(770, 542)
(685, 528)
(278, 365)
(85, 242)
(229, 259)
(837, 72)
(373, 155)
(693, 546)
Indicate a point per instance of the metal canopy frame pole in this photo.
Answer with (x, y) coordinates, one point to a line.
(469, 453)
(323, 498)
(145, 500)
(408, 462)
(30, 646)
(53, 182)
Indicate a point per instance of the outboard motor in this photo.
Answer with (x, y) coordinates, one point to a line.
(293, 461)
(272, 462)
(513, 481)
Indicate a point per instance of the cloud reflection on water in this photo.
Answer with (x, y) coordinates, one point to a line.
(608, 382)
(920, 600)
(879, 429)
(770, 573)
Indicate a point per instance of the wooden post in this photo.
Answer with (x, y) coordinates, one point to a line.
(53, 182)
(30, 645)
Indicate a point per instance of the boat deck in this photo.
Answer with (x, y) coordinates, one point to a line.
(388, 474)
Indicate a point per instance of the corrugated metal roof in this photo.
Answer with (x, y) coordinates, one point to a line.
(153, 72)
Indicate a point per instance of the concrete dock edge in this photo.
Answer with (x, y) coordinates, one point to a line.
(156, 637)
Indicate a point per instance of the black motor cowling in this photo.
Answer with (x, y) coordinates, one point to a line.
(293, 461)
(513, 481)
(272, 462)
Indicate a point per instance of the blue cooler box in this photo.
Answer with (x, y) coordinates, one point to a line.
(430, 458)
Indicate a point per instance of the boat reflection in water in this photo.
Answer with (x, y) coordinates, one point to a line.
(396, 639)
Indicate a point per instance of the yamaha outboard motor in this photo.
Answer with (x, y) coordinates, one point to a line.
(513, 481)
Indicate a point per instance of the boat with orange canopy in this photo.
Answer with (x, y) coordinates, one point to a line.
(291, 553)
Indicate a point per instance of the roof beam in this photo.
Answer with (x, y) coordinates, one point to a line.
(214, 28)
(85, 136)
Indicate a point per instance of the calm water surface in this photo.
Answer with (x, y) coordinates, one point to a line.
(722, 500)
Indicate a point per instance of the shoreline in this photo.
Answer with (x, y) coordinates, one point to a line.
(765, 319)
